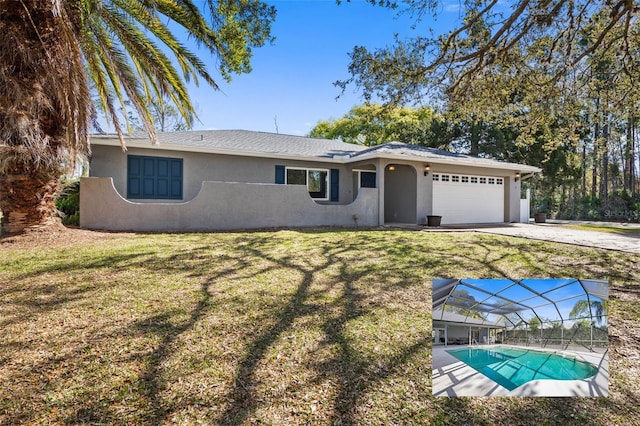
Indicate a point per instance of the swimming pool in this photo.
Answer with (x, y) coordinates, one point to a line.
(512, 367)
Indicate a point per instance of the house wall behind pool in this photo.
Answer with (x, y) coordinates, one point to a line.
(221, 206)
(454, 332)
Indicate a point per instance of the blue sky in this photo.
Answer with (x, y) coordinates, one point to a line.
(292, 80)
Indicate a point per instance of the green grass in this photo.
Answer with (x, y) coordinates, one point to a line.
(620, 230)
(289, 327)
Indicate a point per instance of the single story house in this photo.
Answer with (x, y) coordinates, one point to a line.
(237, 179)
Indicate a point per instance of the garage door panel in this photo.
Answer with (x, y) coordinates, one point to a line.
(467, 202)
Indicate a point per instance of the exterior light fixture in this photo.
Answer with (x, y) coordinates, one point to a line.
(427, 168)
(392, 167)
(517, 177)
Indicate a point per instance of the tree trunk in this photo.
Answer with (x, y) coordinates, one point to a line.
(474, 138)
(594, 171)
(604, 180)
(583, 164)
(27, 201)
(44, 109)
(627, 165)
(632, 173)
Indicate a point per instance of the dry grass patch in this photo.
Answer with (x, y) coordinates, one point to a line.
(289, 327)
(628, 231)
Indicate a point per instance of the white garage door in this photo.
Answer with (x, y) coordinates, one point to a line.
(467, 198)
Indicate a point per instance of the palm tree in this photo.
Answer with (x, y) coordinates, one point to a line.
(597, 309)
(52, 51)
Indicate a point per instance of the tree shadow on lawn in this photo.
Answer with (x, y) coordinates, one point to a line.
(508, 411)
(351, 369)
(356, 373)
(150, 381)
(32, 298)
(352, 372)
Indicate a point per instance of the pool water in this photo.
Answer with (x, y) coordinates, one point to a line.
(512, 367)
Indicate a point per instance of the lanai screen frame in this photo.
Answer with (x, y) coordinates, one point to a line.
(511, 310)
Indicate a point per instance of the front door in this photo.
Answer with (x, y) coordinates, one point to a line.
(400, 194)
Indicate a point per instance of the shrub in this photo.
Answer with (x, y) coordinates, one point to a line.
(68, 203)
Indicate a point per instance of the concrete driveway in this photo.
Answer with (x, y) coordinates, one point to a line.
(555, 233)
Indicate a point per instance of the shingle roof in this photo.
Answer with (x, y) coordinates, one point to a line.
(246, 142)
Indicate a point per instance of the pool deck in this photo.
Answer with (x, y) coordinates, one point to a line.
(452, 377)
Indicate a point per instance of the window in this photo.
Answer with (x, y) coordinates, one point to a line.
(157, 178)
(296, 177)
(465, 179)
(315, 180)
(474, 179)
(492, 181)
(367, 179)
(445, 178)
(317, 183)
(455, 178)
(483, 180)
(436, 178)
(499, 181)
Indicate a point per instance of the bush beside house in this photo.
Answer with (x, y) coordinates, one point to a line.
(68, 203)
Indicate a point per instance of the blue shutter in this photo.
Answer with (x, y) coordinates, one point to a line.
(280, 175)
(162, 178)
(176, 179)
(148, 177)
(154, 177)
(335, 185)
(134, 177)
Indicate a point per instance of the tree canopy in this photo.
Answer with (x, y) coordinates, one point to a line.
(374, 124)
(556, 37)
(554, 80)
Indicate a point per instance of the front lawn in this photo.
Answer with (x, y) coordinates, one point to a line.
(288, 327)
(612, 229)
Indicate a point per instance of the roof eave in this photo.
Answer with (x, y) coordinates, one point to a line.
(450, 161)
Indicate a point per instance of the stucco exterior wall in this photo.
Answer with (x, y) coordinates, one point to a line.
(424, 196)
(110, 161)
(512, 200)
(221, 206)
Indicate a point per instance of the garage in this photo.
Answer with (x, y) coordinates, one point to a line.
(462, 198)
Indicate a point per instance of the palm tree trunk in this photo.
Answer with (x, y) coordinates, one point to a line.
(43, 109)
(27, 201)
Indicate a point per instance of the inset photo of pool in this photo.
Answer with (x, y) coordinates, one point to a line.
(527, 337)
